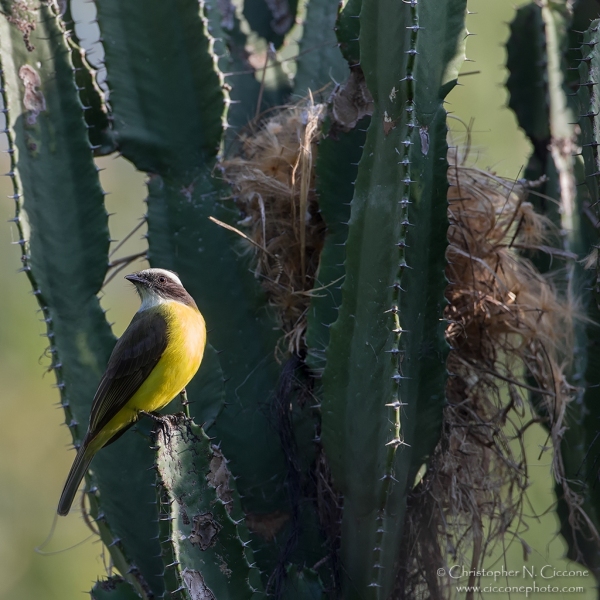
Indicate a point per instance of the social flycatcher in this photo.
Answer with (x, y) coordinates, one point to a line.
(151, 364)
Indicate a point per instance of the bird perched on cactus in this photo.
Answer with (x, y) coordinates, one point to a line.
(151, 364)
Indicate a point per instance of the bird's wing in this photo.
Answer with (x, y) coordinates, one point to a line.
(132, 360)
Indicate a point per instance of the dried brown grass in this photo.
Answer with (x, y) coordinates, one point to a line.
(273, 180)
(505, 320)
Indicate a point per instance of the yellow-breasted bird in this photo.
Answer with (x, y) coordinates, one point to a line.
(151, 364)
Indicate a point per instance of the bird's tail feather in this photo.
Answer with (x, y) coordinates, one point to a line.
(78, 470)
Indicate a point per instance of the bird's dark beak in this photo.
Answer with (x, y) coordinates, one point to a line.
(134, 278)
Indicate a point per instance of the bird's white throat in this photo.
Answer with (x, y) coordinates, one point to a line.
(150, 299)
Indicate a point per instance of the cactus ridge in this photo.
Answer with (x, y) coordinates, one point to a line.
(527, 82)
(153, 126)
(118, 552)
(580, 448)
(396, 400)
(51, 351)
(589, 98)
(165, 533)
(337, 155)
(93, 98)
(546, 112)
(65, 246)
(319, 60)
(113, 588)
(229, 46)
(381, 321)
(20, 222)
(200, 503)
(347, 30)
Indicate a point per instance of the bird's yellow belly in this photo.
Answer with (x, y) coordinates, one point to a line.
(174, 370)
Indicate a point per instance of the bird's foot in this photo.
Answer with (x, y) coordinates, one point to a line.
(152, 415)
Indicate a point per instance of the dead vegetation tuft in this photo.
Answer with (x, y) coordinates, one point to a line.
(510, 334)
(273, 181)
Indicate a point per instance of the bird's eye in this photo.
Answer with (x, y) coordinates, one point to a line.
(162, 279)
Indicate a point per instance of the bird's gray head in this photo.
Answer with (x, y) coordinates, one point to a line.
(156, 286)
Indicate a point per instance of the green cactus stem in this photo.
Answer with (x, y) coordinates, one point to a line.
(114, 588)
(64, 240)
(545, 109)
(526, 83)
(319, 61)
(337, 155)
(385, 374)
(207, 530)
(93, 98)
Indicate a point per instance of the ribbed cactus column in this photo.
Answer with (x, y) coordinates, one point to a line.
(547, 111)
(336, 170)
(63, 226)
(385, 373)
(582, 455)
(319, 62)
(114, 588)
(203, 516)
(336, 156)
